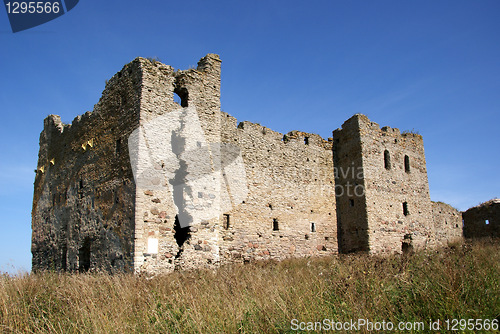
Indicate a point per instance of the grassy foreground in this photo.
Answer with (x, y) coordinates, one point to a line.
(456, 283)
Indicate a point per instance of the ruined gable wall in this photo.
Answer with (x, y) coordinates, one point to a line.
(83, 205)
(388, 188)
(290, 181)
(447, 224)
(475, 220)
(155, 210)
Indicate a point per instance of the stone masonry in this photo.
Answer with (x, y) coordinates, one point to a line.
(483, 220)
(146, 184)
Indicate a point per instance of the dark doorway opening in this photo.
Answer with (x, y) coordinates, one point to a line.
(407, 245)
(84, 256)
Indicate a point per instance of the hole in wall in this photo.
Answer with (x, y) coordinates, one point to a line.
(313, 227)
(181, 96)
(181, 235)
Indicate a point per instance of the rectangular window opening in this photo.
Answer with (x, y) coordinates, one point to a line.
(313, 227)
(407, 164)
(405, 209)
(387, 160)
(275, 225)
(226, 222)
(118, 146)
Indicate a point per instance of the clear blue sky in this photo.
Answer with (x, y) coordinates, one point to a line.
(431, 66)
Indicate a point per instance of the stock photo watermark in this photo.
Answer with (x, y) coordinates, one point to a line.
(24, 15)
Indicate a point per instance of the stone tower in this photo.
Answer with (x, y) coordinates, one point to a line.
(389, 205)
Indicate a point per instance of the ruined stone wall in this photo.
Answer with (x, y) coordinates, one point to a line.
(263, 196)
(482, 220)
(447, 224)
(83, 205)
(147, 184)
(172, 137)
(290, 206)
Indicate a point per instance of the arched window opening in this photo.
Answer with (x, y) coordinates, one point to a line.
(181, 96)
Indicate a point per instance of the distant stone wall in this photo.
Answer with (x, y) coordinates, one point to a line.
(447, 224)
(483, 220)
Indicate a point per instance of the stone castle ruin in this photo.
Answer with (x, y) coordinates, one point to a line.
(146, 184)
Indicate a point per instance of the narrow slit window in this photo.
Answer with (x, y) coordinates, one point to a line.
(118, 149)
(407, 164)
(276, 225)
(387, 160)
(405, 209)
(313, 227)
(226, 222)
(351, 203)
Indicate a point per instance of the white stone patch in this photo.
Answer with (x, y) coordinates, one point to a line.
(152, 246)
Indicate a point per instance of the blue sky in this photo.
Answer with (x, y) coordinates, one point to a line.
(428, 66)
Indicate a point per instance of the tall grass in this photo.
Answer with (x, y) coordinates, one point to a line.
(460, 282)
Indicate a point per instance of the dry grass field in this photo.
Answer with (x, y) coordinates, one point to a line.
(460, 282)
